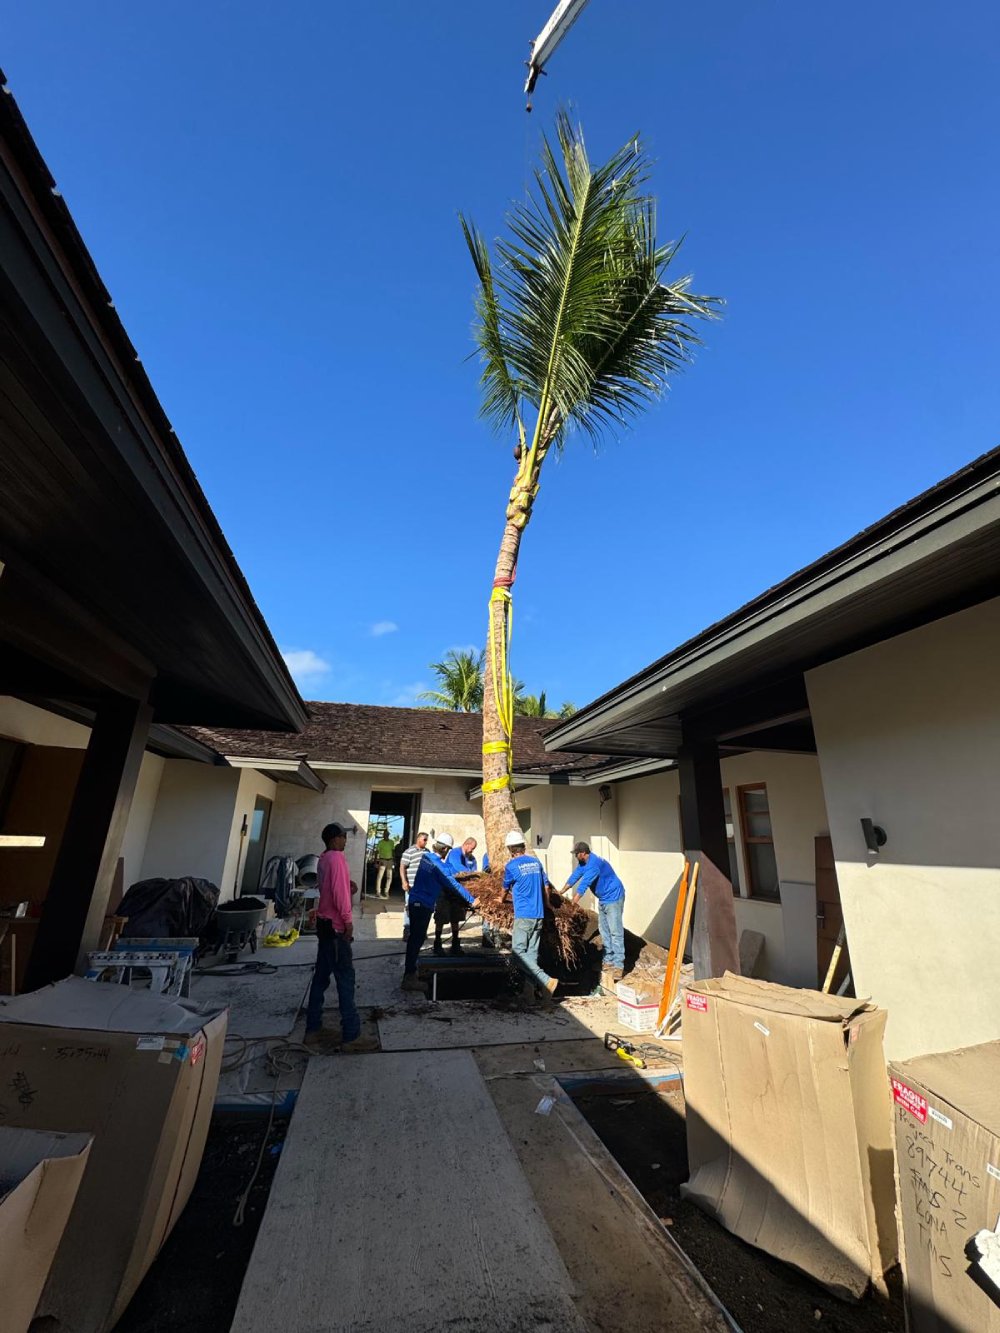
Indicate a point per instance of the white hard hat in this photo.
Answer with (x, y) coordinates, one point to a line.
(444, 840)
(515, 838)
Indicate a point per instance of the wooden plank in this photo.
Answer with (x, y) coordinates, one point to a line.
(399, 1204)
(629, 1275)
(459, 1023)
(673, 977)
(682, 893)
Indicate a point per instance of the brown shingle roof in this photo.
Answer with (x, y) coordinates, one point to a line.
(413, 738)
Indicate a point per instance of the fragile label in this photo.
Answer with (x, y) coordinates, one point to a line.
(910, 1100)
(940, 1117)
(991, 1170)
(150, 1043)
(197, 1050)
(698, 1002)
(761, 1028)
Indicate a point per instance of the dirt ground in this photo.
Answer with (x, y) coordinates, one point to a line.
(644, 1130)
(195, 1282)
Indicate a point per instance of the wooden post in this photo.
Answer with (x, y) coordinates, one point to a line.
(84, 869)
(714, 941)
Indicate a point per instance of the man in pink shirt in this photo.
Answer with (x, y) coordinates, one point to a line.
(335, 933)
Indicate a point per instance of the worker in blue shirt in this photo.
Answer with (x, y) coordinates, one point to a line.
(448, 908)
(525, 880)
(594, 873)
(432, 876)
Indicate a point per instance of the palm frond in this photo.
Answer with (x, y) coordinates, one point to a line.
(500, 393)
(460, 681)
(577, 313)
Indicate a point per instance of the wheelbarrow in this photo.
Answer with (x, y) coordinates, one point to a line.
(236, 924)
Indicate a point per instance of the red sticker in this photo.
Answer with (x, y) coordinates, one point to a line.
(912, 1101)
(699, 1002)
(198, 1050)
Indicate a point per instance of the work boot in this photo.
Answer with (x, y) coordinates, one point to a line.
(617, 975)
(360, 1043)
(412, 982)
(486, 942)
(456, 949)
(438, 949)
(607, 978)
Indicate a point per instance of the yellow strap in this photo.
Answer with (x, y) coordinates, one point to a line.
(497, 784)
(500, 658)
(496, 747)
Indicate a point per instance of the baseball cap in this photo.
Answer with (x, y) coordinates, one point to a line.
(580, 847)
(515, 838)
(334, 831)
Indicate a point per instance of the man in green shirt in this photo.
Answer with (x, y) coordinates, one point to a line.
(384, 853)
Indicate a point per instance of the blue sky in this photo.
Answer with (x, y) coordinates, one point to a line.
(270, 194)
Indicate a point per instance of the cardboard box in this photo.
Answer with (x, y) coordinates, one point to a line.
(789, 1126)
(634, 1010)
(947, 1121)
(40, 1174)
(138, 1071)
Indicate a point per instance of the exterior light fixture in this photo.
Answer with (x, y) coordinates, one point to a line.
(875, 837)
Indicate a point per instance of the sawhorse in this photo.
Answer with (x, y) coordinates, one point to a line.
(168, 962)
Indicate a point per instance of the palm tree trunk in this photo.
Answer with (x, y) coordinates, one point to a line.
(499, 815)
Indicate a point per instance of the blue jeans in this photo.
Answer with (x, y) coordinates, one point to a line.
(333, 958)
(525, 939)
(420, 919)
(612, 933)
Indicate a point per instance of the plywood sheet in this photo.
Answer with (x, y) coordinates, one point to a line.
(377, 1223)
(458, 1023)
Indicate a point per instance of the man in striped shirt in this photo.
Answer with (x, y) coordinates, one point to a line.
(408, 866)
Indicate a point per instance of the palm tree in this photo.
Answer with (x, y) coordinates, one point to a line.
(567, 710)
(578, 324)
(530, 705)
(460, 682)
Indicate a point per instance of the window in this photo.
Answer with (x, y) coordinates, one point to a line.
(734, 863)
(755, 821)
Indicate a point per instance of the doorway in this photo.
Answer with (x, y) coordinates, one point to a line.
(392, 816)
(256, 840)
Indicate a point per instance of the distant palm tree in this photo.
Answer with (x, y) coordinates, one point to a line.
(530, 705)
(578, 324)
(567, 710)
(460, 682)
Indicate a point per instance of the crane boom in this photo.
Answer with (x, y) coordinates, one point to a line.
(563, 17)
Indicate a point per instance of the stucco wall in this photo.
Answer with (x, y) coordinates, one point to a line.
(34, 726)
(909, 735)
(192, 824)
(651, 852)
(798, 813)
(299, 814)
(251, 785)
(140, 819)
(642, 824)
(561, 816)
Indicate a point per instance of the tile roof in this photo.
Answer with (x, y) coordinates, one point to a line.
(411, 738)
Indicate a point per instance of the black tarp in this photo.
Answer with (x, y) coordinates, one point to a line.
(169, 908)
